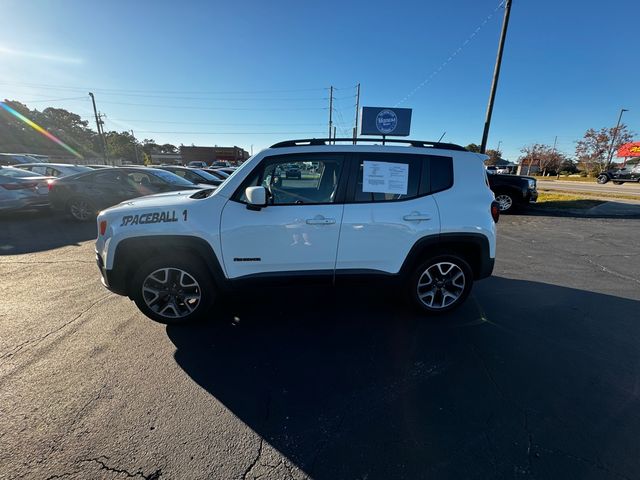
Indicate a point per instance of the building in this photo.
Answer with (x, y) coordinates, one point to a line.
(234, 155)
(166, 159)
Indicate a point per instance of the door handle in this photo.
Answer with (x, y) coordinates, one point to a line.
(320, 220)
(416, 217)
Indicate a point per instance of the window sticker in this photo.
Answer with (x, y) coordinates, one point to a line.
(385, 177)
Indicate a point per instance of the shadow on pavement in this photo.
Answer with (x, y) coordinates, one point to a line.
(584, 209)
(40, 230)
(525, 379)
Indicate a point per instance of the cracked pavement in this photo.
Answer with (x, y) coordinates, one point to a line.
(536, 376)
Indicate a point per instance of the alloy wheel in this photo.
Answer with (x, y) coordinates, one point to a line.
(81, 210)
(505, 202)
(171, 292)
(441, 285)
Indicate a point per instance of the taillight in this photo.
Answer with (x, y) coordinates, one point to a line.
(495, 211)
(103, 227)
(19, 186)
(50, 184)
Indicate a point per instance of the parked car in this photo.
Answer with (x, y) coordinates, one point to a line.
(220, 164)
(53, 169)
(197, 164)
(217, 173)
(194, 175)
(628, 173)
(227, 170)
(8, 159)
(369, 212)
(293, 172)
(513, 191)
(84, 194)
(21, 189)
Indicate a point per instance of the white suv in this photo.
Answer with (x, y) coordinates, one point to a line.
(420, 214)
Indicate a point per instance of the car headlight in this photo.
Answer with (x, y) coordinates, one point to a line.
(532, 183)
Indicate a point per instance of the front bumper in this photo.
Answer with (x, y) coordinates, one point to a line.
(110, 278)
(532, 196)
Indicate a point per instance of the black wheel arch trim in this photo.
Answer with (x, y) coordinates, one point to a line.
(473, 247)
(130, 253)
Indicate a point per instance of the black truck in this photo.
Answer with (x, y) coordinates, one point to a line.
(512, 191)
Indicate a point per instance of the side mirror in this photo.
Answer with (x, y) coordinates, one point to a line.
(256, 197)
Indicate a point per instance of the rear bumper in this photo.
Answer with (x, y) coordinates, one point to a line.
(486, 268)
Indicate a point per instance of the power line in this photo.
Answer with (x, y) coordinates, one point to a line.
(451, 57)
(221, 123)
(145, 91)
(194, 107)
(53, 100)
(231, 133)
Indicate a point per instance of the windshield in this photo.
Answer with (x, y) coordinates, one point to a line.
(17, 172)
(206, 175)
(171, 178)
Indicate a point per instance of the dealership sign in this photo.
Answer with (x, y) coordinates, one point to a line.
(629, 150)
(385, 121)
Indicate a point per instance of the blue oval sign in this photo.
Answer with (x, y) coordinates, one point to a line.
(386, 121)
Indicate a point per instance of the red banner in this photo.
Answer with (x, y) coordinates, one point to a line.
(629, 150)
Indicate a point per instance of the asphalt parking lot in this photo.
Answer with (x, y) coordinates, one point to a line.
(536, 376)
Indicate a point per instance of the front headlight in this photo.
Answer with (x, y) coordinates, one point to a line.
(532, 183)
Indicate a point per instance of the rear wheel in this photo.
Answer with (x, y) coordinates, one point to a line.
(173, 290)
(602, 179)
(441, 284)
(81, 209)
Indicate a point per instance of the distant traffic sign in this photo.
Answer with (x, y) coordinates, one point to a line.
(385, 121)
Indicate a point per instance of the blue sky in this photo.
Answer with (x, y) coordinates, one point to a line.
(253, 73)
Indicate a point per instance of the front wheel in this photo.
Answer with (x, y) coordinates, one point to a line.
(173, 291)
(506, 202)
(441, 284)
(602, 179)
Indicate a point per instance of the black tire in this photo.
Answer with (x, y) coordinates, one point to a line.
(602, 179)
(440, 284)
(506, 202)
(81, 209)
(618, 183)
(170, 305)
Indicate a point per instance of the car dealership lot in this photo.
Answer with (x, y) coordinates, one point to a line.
(536, 376)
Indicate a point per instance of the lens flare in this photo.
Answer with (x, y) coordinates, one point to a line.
(39, 129)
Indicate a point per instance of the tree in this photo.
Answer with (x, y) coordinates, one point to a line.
(494, 156)
(544, 157)
(472, 147)
(121, 145)
(168, 148)
(593, 150)
(17, 136)
(150, 146)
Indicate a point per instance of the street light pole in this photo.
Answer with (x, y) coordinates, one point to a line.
(496, 74)
(613, 139)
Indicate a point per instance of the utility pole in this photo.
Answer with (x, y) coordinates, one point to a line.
(135, 145)
(613, 139)
(334, 135)
(355, 128)
(330, 110)
(496, 74)
(98, 126)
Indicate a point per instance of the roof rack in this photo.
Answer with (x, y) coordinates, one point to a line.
(306, 142)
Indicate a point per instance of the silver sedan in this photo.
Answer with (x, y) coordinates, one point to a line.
(22, 189)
